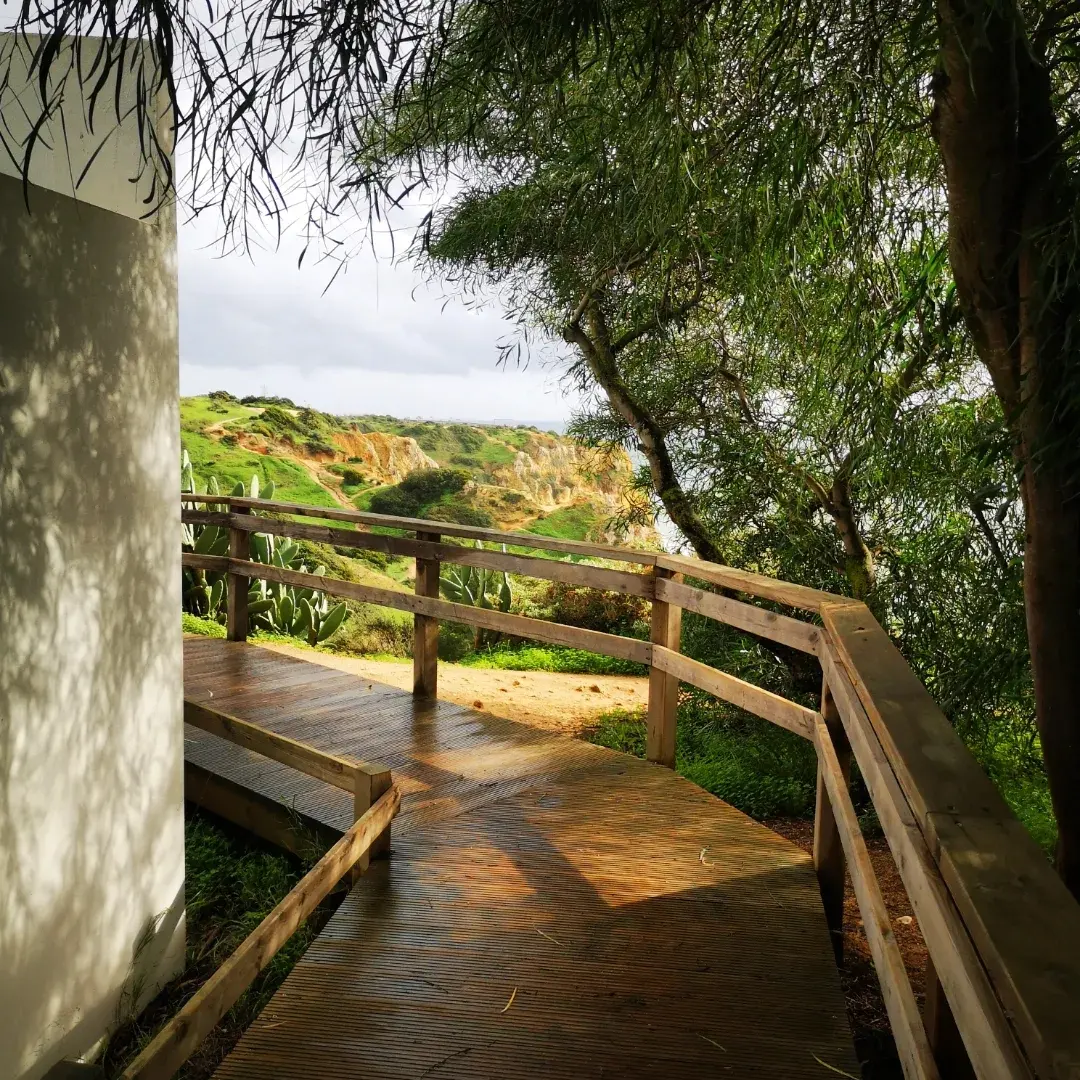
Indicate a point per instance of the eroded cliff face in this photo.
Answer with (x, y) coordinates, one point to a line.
(519, 475)
(382, 458)
(387, 459)
(556, 472)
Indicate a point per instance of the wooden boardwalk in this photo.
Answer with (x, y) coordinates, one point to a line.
(550, 908)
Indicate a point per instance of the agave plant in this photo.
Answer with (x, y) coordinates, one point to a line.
(480, 588)
(279, 608)
(288, 609)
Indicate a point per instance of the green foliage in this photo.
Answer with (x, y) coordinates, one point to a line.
(272, 606)
(417, 491)
(798, 347)
(479, 588)
(459, 510)
(289, 609)
(373, 630)
(760, 769)
(595, 609)
(457, 642)
(195, 624)
(234, 464)
(568, 523)
(257, 399)
(231, 884)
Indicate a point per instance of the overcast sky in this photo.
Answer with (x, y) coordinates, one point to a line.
(379, 340)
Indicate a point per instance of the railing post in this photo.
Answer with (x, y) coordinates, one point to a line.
(945, 1039)
(829, 859)
(236, 612)
(425, 627)
(663, 688)
(370, 782)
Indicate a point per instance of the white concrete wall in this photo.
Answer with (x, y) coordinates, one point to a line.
(91, 731)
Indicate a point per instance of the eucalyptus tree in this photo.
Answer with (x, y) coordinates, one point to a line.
(963, 113)
(267, 89)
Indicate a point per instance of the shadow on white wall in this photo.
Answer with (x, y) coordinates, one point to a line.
(91, 734)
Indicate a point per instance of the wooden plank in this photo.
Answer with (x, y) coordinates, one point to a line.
(504, 622)
(912, 1045)
(663, 687)
(596, 577)
(945, 1039)
(754, 620)
(763, 703)
(176, 1042)
(426, 628)
(236, 616)
(371, 783)
(217, 563)
(767, 588)
(987, 1035)
(1022, 919)
(303, 835)
(468, 532)
(829, 862)
(511, 831)
(336, 771)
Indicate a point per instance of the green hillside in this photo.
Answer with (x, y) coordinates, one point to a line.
(517, 478)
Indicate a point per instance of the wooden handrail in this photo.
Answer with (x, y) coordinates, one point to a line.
(1002, 932)
(597, 577)
(180, 1037)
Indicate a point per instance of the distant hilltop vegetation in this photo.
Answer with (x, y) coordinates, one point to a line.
(495, 476)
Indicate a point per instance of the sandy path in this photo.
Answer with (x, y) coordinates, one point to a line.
(544, 699)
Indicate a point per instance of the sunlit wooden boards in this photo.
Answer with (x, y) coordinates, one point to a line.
(1022, 920)
(640, 926)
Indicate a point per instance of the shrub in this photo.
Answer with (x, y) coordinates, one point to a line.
(221, 395)
(756, 767)
(373, 629)
(455, 641)
(394, 502)
(420, 488)
(351, 478)
(461, 512)
(257, 399)
(594, 609)
(428, 485)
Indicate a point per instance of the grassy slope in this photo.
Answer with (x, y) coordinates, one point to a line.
(477, 449)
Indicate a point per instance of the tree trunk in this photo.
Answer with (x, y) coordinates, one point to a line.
(1010, 208)
(596, 349)
(1052, 602)
(858, 559)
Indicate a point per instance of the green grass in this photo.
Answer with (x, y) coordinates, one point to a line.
(232, 882)
(761, 769)
(569, 523)
(197, 413)
(552, 658)
(233, 463)
(195, 624)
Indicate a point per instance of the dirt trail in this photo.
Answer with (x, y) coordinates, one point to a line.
(544, 699)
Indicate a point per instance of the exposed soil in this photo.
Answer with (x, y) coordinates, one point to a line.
(549, 700)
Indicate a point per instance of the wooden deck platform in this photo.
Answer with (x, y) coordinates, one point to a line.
(550, 908)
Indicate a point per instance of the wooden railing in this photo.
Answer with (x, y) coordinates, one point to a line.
(1003, 933)
(375, 803)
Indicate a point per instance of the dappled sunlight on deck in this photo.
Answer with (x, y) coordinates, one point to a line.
(550, 908)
